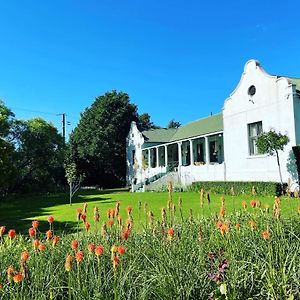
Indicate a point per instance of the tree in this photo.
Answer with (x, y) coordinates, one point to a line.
(74, 180)
(271, 142)
(173, 124)
(145, 123)
(98, 143)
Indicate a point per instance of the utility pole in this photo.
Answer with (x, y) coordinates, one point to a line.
(63, 125)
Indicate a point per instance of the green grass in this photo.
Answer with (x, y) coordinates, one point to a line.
(17, 212)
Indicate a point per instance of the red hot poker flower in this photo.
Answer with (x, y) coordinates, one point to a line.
(78, 213)
(31, 232)
(79, 257)
(49, 235)
(41, 247)
(266, 235)
(50, 219)
(35, 224)
(24, 256)
(121, 250)
(55, 240)
(83, 217)
(253, 203)
(171, 231)
(110, 222)
(68, 263)
(2, 230)
(87, 226)
(11, 233)
(19, 277)
(91, 247)
(35, 244)
(99, 250)
(74, 245)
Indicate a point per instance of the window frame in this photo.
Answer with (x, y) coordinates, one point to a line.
(252, 148)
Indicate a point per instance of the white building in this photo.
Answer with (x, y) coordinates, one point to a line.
(222, 147)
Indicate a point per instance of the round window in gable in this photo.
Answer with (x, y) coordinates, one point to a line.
(252, 90)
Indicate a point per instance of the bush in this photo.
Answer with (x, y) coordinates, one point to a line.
(238, 187)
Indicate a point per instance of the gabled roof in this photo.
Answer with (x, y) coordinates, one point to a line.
(161, 135)
(203, 126)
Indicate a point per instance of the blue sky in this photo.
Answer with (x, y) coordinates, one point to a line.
(175, 59)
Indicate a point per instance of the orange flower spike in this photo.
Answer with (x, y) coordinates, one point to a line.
(99, 250)
(78, 213)
(87, 226)
(83, 217)
(224, 229)
(96, 214)
(49, 235)
(12, 233)
(84, 207)
(35, 224)
(10, 272)
(121, 250)
(50, 219)
(35, 244)
(24, 256)
(125, 234)
(116, 262)
(2, 230)
(129, 210)
(238, 226)
(32, 232)
(74, 245)
(266, 235)
(171, 232)
(113, 212)
(244, 203)
(42, 247)
(219, 224)
(110, 222)
(79, 257)
(252, 224)
(91, 247)
(222, 212)
(108, 213)
(68, 263)
(55, 240)
(19, 277)
(253, 203)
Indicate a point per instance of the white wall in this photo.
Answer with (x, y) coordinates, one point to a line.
(273, 105)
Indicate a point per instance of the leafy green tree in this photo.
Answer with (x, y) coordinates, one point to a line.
(145, 123)
(272, 142)
(98, 143)
(74, 180)
(173, 124)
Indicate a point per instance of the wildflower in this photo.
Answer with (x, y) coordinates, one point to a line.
(19, 277)
(35, 244)
(114, 249)
(74, 245)
(50, 219)
(68, 263)
(41, 247)
(116, 262)
(2, 230)
(244, 203)
(108, 213)
(253, 203)
(78, 213)
(119, 220)
(24, 256)
(219, 224)
(35, 224)
(129, 210)
(49, 235)
(171, 231)
(117, 209)
(83, 217)
(55, 240)
(125, 234)
(113, 212)
(110, 222)
(99, 250)
(87, 226)
(224, 228)
(1, 286)
(32, 232)
(11, 233)
(200, 234)
(84, 208)
(238, 226)
(91, 247)
(121, 250)
(266, 235)
(104, 230)
(79, 257)
(222, 200)
(252, 224)
(222, 212)
(96, 214)
(10, 271)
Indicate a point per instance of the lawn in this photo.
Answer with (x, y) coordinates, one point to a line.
(17, 212)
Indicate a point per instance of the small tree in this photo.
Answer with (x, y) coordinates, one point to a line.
(73, 179)
(271, 142)
(174, 124)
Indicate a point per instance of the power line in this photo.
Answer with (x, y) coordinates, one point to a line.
(34, 111)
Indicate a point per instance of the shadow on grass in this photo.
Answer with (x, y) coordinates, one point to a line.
(18, 211)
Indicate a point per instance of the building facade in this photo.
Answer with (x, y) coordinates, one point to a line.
(222, 147)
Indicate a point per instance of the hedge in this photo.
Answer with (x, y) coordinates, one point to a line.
(238, 187)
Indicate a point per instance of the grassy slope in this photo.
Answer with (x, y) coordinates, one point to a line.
(17, 212)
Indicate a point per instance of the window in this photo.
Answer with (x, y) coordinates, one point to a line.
(133, 156)
(254, 130)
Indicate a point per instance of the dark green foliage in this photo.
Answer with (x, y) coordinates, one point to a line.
(238, 187)
(296, 151)
(98, 143)
(173, 124)
(144, 122)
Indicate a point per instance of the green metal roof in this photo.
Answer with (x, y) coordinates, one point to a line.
(161, 135)
(203, 126)
(295, 81)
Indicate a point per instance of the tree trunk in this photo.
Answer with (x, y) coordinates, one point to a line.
(71, 192)
(277, 156)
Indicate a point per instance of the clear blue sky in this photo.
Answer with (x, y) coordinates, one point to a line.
(176, 59)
